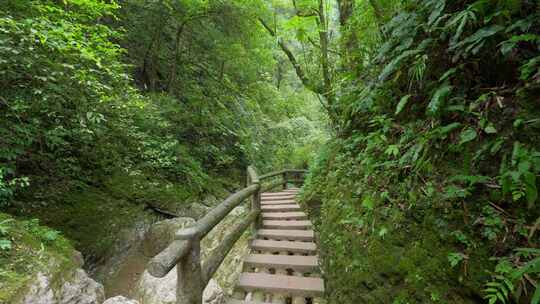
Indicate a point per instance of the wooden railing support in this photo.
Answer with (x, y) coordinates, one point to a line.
(253, 179)
(189, 288)
(285, 181)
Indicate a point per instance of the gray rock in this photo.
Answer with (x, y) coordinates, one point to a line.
(79, 289)
(120, 300)
(161, 234)
(195, 210)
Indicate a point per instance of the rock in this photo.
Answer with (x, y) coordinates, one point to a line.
(78, 258)
(120, 300)
(213, 294)
(195, 210)
(79, 288)
(153, 290)
(162, 233)
(163, 290)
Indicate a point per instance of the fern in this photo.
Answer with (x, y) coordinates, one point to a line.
(436, 103)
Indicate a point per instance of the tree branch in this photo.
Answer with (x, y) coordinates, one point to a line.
(292, 59)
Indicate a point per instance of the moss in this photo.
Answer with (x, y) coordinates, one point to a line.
(92, 217)
(95, 217)
(380, 250)
(33, 248)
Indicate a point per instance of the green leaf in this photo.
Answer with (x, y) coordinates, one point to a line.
(490, 129)
(368, 203)
(449, 128)
(536, 296)
(435, 105)
(402, 103)
(479, 36)
(392, 150)
(531, 192)
(393, 65)
(5, 244)
(383, 232)
(467, 136)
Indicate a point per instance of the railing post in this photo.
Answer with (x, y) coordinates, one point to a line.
(253, 178)
(189, 289)
(285, 175)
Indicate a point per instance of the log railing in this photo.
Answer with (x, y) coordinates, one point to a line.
(185, 250)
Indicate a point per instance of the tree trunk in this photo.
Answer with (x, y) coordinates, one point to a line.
(323, 37)
(172, 76)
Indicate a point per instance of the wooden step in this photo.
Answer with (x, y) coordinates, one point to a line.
(234, 301)
(280, 208)
(280, 246)
(281, 202)
(278, 194)
(289, 285)
(277, 198)
(287, 224)
(294, 262)
(284, 215)
(284, 234)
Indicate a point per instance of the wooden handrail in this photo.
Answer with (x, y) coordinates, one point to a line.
(184, 250)
(281, 172)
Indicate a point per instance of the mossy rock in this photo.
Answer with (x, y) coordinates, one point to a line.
(37, 255)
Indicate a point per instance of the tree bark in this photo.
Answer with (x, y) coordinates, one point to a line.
(323, 36)
(172, 75)
(296, 65)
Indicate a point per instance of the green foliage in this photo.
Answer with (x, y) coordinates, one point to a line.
(27, 248)
(432, 128)
(513, 280)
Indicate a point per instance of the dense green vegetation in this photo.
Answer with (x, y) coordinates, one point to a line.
(113, 109)
(429, 193)
(425, 191)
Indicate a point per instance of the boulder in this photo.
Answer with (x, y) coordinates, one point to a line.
(161, 234)
(153, 290)
(79, 288)
(120, 300)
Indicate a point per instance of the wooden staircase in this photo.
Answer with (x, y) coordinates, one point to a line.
(283, 264)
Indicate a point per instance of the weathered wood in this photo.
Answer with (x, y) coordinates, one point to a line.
(218, 255)
(283, 261)
(162, 263)
(276, 246)
(285, 180)
(296, 170)
(253, 178)
(212, 218)
(189, 288)
(252, 173)
(282, 284)
(271, 174)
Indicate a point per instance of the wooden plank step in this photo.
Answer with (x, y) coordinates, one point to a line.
(295, 262)
(234, 301)
(285, 234)
(289, 285)
(278, 193)
(284, 215)
(283, 202)
(273, 224)
(278, 246)
(278, 198)
(280, 208)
